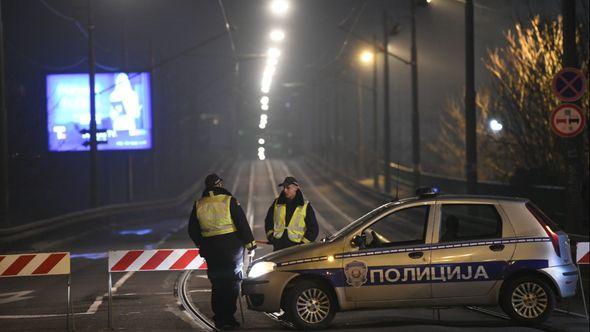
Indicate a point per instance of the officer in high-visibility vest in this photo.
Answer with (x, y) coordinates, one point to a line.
(219, 227)
(290, 219)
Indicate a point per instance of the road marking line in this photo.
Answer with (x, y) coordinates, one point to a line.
(15, 296)
(249, 212)
(38, 316)
(99, 299)
(237, 179)
(271, 176)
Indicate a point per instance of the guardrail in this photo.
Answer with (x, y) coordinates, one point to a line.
(21, 232)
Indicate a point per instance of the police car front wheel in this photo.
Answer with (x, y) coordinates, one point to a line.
(528, 300)
(310, 305)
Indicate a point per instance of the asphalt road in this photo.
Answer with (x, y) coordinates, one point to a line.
(147, 300)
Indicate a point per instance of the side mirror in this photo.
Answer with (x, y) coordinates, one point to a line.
(358, 241)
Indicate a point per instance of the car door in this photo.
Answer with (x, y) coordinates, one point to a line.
(395, 249)
(469, 253)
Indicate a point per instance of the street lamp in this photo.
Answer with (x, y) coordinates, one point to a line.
(279, 7)
(277, 35)
(495, 126)
(367, 57)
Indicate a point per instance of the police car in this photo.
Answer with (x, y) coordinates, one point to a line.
(430, 250)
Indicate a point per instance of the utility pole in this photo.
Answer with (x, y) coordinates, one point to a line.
(470, 131)
(575, 165)
(415, 113)
(375, 119)
(94, 180)
(4, 192)
(386, 120)
(360, 145)
(129, 153)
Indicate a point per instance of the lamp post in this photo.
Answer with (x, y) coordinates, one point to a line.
(370, 57)
(386, 117)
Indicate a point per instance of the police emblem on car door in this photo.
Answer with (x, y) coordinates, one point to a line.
(387, 264)
(356, 273)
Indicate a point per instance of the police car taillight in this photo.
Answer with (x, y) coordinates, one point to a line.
(427, 191)
(544, 221)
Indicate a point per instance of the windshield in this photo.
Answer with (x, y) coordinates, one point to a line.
(360, 221)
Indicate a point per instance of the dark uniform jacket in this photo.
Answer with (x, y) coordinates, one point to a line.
(225, 243)
(311, 224)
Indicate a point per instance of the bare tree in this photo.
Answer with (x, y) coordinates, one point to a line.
(520, 98)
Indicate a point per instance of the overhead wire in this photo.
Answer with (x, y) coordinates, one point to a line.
(346, 39)
(42, 65)
(76, 22)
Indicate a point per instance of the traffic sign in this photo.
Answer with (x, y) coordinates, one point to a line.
(582, 253)
(567, 120)
(569, 84)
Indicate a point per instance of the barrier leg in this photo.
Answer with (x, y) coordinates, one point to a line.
(68, 302)
(110, 301)
(583, 295)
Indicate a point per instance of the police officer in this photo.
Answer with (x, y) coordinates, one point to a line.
(218, 226)
(290, 219)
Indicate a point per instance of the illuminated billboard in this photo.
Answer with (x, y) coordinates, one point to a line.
(123, 111)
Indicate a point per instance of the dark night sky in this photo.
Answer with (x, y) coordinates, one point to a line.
(193, 87)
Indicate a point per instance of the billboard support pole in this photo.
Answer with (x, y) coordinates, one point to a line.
(3, 136)
(94, 189)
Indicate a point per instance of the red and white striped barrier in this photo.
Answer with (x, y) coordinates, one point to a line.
(156, 260)
(41, 264)
(583, 253)
(21, 265)
(151, 260)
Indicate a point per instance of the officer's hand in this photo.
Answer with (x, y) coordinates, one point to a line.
(251, 252)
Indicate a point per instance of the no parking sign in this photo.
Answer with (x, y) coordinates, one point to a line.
(569, 84)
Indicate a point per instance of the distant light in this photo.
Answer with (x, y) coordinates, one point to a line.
(140, 232)
(273, 53)
(261, 141)
(279, 7)
(495, 126)
(261, 156)
(272, 62)
(330, 258)
(428, 1)
(264, 100)
(262, 125)
(264, 107)
(261, 149)
(263, 117)
(366, 57)
(277, 35)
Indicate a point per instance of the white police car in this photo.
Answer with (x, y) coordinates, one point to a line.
(425, 251)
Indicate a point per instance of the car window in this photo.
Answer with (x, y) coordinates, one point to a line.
(460, 222)
(402, 227)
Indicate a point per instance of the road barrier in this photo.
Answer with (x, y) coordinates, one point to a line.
(152, 260)
(583, 258)
(40, 264)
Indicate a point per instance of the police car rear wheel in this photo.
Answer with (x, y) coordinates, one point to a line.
(311, 305)
(528, 300)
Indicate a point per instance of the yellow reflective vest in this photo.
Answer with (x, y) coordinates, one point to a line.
(213, 212)
(295, 228)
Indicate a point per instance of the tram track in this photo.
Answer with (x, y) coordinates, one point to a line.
(181, 292)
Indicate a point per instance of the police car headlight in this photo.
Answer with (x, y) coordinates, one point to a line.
(260, 269)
